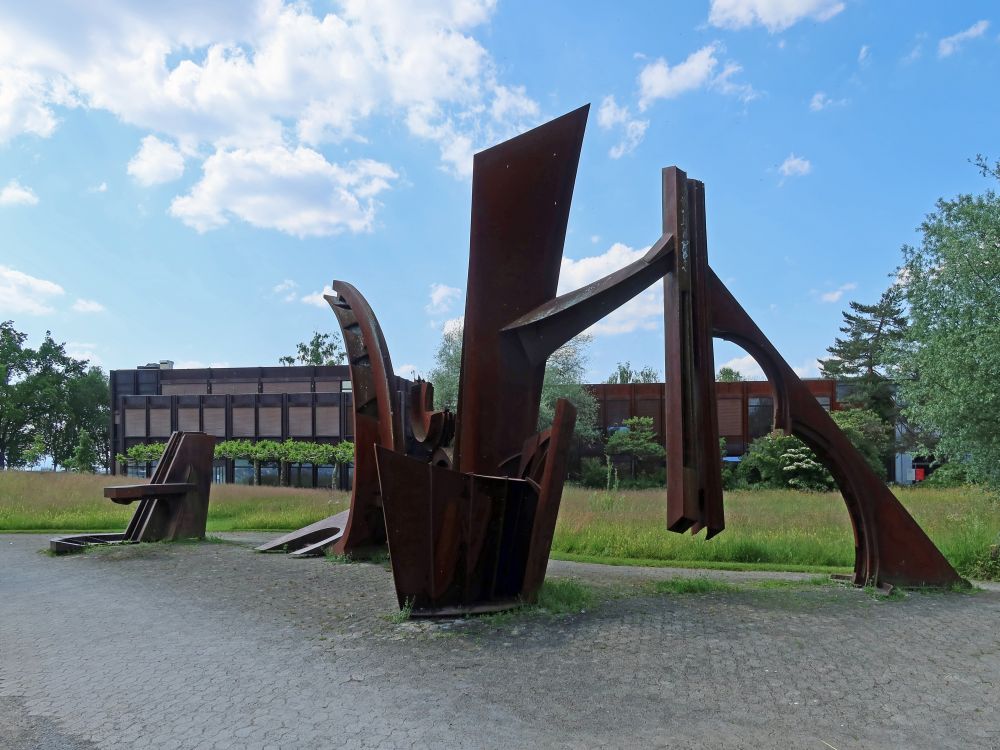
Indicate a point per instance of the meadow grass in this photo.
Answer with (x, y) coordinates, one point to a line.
(765, 529)
(45, 501)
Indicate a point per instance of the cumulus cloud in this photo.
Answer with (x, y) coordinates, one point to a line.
(156, 162)
(441, 299)
(286, 289)
(100, 188)
(746, 366)
(87, 306)
(774, 15)
(84, 351)
(794, 166)
(658, 80)
(836, 294)
(24, 97)
(643, 312)
(610, 116)
(951, 44)
(16, 194)
(296, 191)
(216, 79)
(821, 101)
(24, 294)
(316, 298)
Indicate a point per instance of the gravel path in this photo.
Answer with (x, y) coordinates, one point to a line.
(212, 646)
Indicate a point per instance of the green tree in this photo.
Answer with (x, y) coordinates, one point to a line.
(949, 364)
(862, 357)
(624, 374)
(637, 440)
(17, 396)
(85, 456)
(321, 349)
(729, 375)
(447, 367)
(564, 378)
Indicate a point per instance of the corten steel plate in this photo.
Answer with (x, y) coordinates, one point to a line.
(521, 193)
(890, 547)
(694, 478)
(172, 505)
(458, 543)
(377, 421)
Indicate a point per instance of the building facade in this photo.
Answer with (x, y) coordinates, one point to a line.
(312, 404)
(745, 409)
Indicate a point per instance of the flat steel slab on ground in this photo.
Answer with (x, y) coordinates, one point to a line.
(208, 645)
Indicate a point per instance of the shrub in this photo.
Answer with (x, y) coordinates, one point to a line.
(593, 473)
(951, 474)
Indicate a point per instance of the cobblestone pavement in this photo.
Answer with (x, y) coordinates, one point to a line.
(212, 646)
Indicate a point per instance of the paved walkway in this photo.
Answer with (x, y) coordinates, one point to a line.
(212, 646)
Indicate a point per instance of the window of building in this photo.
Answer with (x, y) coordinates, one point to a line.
(324, 476)
(270, 474)
(824, 401)
(300, 475)
(219, 471)
(760, 412)
(242, 471)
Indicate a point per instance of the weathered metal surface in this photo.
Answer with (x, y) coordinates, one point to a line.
(431, 429)
(890, 547)
(521, 193)
(694, 480)
(173, 505)
(377, 421)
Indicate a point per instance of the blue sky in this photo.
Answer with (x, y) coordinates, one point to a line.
(183, 184)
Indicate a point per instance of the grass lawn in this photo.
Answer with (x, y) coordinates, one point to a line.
(43, 501)
(777, 529)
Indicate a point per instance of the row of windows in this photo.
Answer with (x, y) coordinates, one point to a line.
(267, 474)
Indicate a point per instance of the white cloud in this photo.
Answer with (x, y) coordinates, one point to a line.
(611, 116)
(774, 15)
(643, 312)
(951, 44)
(87, 352)
(316, 298)
(864, 54)
(295, 191)
(87, 306)
(287, 290)
(916, 51)
(836, 294)
(214, 78)
(746, 366)
(21, 293)
(442, 297)
(101, 188)
(156, 162)
(724, 84)
(809, 369)
(821, 101)
(408, 371)
(658, 80)
(16, 194)
(794, 166)
(23, 103)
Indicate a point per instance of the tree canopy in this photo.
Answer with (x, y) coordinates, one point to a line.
(321, 349)
(949, 362)
(48, 402)
(624, 374)
(564, 378)
(862, 355)
(729, 375)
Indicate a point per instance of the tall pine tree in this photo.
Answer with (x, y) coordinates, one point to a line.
(861, 356)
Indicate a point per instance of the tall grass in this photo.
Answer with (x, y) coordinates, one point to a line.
(763, 528)
(46, 501)
(775, 527)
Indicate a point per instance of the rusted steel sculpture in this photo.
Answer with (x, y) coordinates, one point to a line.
(173, 505)
(377, 421)
(470, 530)
(890, 548)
